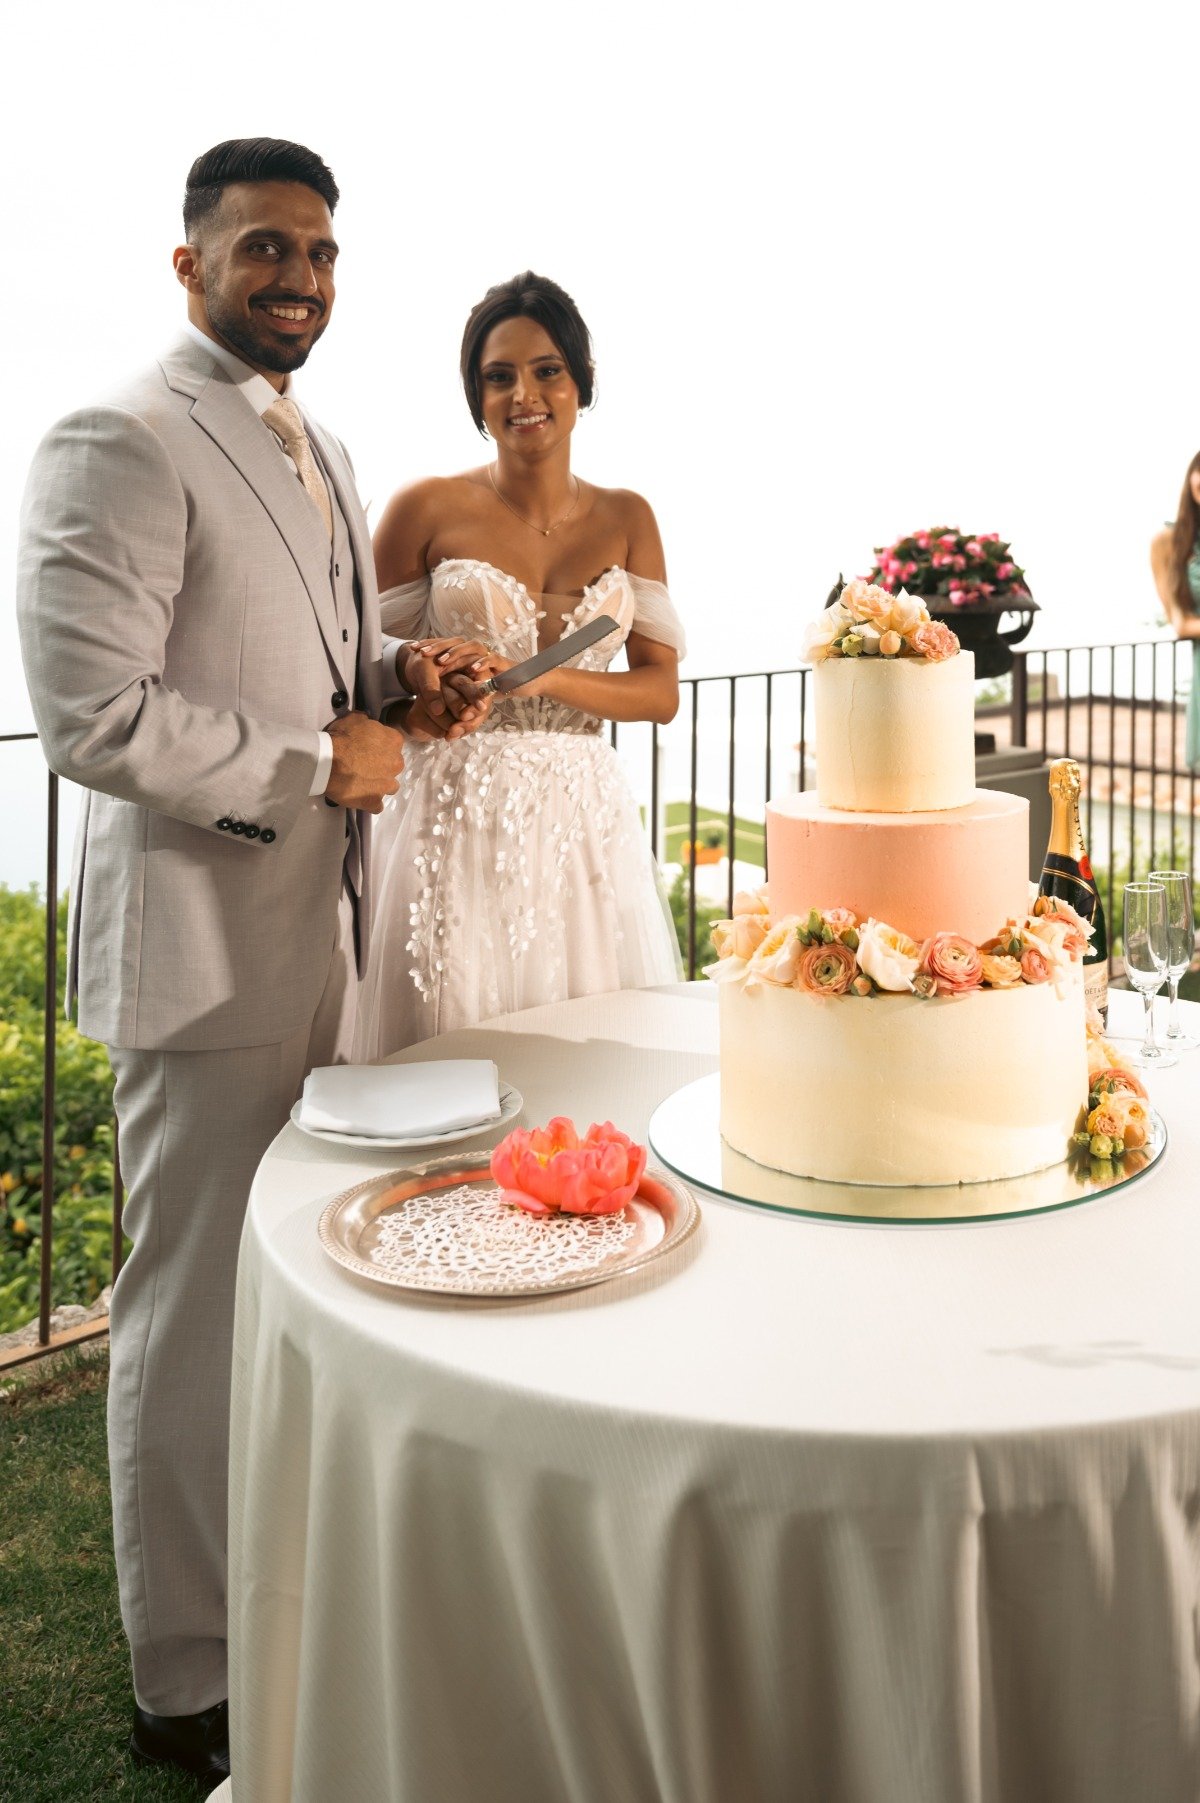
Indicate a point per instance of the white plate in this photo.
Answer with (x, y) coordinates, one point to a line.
(511, 1104)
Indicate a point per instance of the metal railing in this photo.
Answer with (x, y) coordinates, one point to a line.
(748, 736)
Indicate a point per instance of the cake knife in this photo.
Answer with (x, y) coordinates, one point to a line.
(551, 657)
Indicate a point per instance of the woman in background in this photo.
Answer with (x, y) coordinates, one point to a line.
(1175, 560)
(512, 868)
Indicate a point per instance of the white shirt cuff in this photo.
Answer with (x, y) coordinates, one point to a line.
(393, 684)
(321, 774)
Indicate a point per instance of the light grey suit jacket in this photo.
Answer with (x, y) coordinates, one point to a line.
(182, 648)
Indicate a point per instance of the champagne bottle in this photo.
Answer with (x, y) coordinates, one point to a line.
(1067, 876)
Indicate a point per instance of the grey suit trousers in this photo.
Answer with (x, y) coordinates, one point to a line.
(193, 1127)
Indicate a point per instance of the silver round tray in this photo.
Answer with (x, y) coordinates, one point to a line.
(442, 1227)
(685, 1133)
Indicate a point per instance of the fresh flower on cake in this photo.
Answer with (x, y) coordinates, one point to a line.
(867, 620)
(831, 952)
(545, 1170)
(951, 568)
(1118, 1110)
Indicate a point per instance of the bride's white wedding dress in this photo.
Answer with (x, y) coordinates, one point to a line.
(512, 867)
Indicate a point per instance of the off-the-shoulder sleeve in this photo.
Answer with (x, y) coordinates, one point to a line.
(402, 610)
(654, 614)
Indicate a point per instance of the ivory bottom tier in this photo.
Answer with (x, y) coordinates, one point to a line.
(896, 1089)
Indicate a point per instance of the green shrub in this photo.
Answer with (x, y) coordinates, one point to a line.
(83, 1132)
(706, 913)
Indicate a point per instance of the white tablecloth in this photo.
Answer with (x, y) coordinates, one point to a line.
(810, 1511)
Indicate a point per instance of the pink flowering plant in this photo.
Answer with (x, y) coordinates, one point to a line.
(949, 568)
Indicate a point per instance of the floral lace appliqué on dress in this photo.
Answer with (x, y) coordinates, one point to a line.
(512, 868)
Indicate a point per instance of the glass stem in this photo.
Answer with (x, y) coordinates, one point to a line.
(1149, 1048)
(1173, 1029)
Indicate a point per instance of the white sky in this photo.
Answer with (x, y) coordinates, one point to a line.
(849, 271)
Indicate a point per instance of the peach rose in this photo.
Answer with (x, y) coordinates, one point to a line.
(890, 644)
(1036, 965)
(1063, 931)
(1000, 971)
(545, 1170)
(839, 920)
(1105, 1119)
(955, 965)
(826, 969)
(866, 601)
(751, 901)
(888, 957)
(740, 937)
(933, 640)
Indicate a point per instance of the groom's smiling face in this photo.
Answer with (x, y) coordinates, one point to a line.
(263, 273)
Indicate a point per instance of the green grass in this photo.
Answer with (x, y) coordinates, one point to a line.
(65, 1693)
(748, 836)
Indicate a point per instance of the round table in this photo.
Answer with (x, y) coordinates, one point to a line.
(807, 1510)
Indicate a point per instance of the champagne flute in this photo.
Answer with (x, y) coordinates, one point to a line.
(1146, 960)
(1181, 943)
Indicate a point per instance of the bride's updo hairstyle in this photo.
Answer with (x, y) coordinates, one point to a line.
(528, 296)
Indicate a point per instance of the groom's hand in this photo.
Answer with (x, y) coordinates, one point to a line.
(440, 673)
(367, 761)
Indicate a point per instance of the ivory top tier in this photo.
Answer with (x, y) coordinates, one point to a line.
(895, 735)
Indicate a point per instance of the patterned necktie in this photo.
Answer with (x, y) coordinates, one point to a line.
(283, 417)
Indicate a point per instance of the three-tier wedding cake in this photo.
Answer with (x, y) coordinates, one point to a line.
(895, 1014)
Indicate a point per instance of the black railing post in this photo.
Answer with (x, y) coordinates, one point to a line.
(1020, 698)
(694, 831)
(50, 1049)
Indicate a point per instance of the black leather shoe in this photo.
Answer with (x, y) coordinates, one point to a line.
(196, 1743)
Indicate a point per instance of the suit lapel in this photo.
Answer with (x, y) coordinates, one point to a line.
(232, 423)
(339, 474)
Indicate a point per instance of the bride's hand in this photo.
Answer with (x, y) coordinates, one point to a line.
(426, 665)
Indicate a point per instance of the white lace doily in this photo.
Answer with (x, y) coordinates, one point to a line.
(467, 1238)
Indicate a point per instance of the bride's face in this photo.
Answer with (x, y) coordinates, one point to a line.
(529, 397)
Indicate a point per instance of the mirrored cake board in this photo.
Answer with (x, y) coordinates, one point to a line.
(685, 1133)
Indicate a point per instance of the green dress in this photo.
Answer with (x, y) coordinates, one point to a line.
(1193, 714)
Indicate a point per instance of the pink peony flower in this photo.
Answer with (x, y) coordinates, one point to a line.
(949, 539)
(957, 597)
(922, 541)
(934, 640)
(826, 969)
(1036, 967)
(545, 1170)
(1004, 571)
(974, 548)
(953, 962)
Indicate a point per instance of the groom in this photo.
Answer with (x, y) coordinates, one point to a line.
(200, 628)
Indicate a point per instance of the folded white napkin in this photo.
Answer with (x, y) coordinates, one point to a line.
(401, 1100)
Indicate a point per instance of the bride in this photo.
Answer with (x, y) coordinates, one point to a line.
(512, 867)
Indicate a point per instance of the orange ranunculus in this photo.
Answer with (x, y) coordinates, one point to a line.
(1116, 1078)
(545, 1170)
(955, 965)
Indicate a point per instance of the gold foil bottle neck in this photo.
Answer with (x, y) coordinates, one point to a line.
(1065, 782)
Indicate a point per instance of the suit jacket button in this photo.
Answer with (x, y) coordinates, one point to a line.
(223, 825)
(239, 826)
(252, 832)
(268, 835)
(338, 698)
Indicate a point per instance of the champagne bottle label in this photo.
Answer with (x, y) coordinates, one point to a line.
(1067, 876)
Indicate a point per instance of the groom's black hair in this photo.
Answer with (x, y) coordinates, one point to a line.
(528, 296)
(251, 160)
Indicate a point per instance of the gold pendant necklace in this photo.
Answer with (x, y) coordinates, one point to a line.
(544, 530)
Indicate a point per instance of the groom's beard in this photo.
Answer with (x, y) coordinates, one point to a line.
(259, 344)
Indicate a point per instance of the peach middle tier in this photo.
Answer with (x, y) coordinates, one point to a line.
(958, 870)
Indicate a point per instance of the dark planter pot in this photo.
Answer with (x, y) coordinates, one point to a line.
(978, 630)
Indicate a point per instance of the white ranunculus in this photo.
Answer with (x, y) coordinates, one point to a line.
(817, 638)
(907, 612)
(776, 959)
(889, 958)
